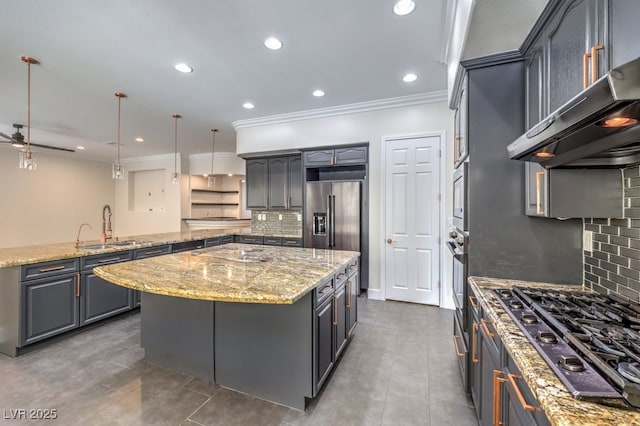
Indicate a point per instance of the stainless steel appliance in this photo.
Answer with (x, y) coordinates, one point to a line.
(590, 340)
(597, 127)
(457, 244)
(332, 215)
(460, 197)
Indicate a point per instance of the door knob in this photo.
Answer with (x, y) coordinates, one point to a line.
(389, 241)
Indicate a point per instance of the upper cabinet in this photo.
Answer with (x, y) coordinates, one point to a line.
(336, 157)
(580, 41)
(460, 142)
(274, 183)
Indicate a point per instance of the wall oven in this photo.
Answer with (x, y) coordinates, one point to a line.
(457, 245)
(460, 192)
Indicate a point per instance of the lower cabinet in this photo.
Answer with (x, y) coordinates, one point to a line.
(352, 286)
(324, 334)
(49, 307)
(340, 319)
(99, 299)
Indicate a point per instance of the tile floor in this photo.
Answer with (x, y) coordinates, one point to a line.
(399, 369)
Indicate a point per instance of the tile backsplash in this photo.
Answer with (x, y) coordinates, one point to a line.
(613, 267)
(286, 222)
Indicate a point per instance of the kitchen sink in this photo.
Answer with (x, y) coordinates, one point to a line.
(124, 243)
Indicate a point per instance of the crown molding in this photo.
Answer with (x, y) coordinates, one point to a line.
(402, 101)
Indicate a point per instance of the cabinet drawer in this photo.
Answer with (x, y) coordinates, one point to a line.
(187, 245)
(352, 268)
(47, 269)
(272, 241)
(292, 242)
(151, 251)
(249, 239)
(90, 262)
(226, 239)
(322, 292)
(341, 277)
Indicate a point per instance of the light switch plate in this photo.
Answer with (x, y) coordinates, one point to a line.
(587, 241)
(279, 217)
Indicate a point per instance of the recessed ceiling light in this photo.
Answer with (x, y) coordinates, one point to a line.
(182, 67)
(318, 93)
(205, 175)
(273, 43)
(409, 78)
(230, 174)
(404, 7)
(248, 105)
(80, 147)
(139, 140)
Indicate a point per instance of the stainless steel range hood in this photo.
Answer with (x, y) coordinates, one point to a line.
(586, 131)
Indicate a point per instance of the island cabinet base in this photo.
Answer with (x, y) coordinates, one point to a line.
(178, 333)
(266, 350)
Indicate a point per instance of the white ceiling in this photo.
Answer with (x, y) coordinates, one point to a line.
(355, 50)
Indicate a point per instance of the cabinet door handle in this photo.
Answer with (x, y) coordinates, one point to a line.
(78, 284)
(516, 389)
(111, 259)
(474, 331)
(539, 176)
(497, 380)
(335, 310)
(472, 300)
(455, 149)
(148, 253)
(585, 70)
(594, 61)
(455, 345)
(53, 268)
(486, 328)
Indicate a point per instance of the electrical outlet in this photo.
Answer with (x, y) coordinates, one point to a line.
(587, 241)
(279, 217)
(299, 217)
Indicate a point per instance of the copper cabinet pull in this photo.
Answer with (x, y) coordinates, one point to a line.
(473, 302)
(594, 61)
(585, 70)
(455, 149)
(78, 284)
(455, 344)
(53, 268)
(348, 285)
(111, 259)
(486, 328)
(153, 252)
(539, 176)
(497, 380)
(335, 310)
(512, 380)
(474, 330)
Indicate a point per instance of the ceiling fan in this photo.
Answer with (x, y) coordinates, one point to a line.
(17, 140)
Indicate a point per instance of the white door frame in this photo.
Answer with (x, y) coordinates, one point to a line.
(441, 225)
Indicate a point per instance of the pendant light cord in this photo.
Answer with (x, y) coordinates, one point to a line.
(213, 144)
(175, 138)
(119, 95)
(28, 108)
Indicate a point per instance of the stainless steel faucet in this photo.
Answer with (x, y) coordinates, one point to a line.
(78, 237)
(106, 224)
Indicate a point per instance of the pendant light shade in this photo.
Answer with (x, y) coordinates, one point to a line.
(211, 180)
(117, 170)
(175, 177)
(27, 160)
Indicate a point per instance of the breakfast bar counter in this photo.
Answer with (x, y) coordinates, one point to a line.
(245, 316)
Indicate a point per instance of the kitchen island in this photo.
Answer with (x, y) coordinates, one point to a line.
(244, 316)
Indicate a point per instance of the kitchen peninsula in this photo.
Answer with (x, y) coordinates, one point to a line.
(267, 321)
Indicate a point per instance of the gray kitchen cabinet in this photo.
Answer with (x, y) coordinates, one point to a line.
(226, 239)
(534, 72)
(212, 242)
(272, 241)
(278, 183)
(249, 239)
(340, 319)
(336, 157)
(324, 346)
(143, 253)
(100, 299)
(573, 192)
(292, 242)
(294, 182)
(49, 306)
(257, 183)
(460, 142)
(519, 405)
(187, 246)
(352, 287)
(624, 31)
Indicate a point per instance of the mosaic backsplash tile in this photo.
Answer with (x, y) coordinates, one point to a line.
(288, 222)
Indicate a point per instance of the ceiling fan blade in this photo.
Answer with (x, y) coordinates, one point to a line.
(52, 147)
(9, 138)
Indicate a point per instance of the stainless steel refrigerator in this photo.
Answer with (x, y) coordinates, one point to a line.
(332, 215)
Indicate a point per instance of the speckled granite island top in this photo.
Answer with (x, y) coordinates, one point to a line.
(231, 273)
(561, 408)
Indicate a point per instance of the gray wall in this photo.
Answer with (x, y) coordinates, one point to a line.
(613, 267)
(504, 243)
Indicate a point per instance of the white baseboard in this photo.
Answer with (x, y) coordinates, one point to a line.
(375, 294)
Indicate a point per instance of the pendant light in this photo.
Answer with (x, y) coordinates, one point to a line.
(175, 175)
(26, 158)
(117, 171)
(211, 180)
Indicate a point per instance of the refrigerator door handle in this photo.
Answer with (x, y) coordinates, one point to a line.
(329, 224)
(333, 221)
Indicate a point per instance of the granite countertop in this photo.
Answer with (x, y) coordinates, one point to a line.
(16, 256)
(231, 273)
(561, 408)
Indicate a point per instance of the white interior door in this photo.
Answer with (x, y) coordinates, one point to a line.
(412, 220)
